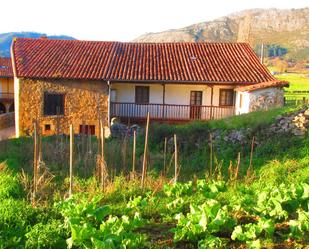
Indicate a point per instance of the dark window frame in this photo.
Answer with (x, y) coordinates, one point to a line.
(227, 101)
(142, 94)
(49, 106)
(196, 96)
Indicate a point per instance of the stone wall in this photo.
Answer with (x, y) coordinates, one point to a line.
(296, 123)
(265, 99)
(84, 102)
(6, 120)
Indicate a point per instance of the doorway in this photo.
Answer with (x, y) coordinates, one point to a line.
(196, 104)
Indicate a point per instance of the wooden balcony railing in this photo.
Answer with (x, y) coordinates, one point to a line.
(170, 112)
(6, 95)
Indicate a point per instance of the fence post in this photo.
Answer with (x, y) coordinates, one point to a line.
(164, 156)
(251, 152)
(35, 159)
(71, 158)
(134, 151)
(238, 166)
(211, 155)
(176, 158)
(102, 156)
(144, 171)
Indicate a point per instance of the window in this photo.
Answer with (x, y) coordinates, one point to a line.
(47, 127)
(53, 104)
(87, 129)
(196, 97)
(226, 97)
(142, 94)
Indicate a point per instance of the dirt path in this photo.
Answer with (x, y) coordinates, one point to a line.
(7, 133)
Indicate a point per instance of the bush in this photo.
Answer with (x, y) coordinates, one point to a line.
(50, 235)
(9, 186)
(15, 217)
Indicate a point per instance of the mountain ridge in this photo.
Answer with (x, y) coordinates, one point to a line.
(286, 28)
(6, 39)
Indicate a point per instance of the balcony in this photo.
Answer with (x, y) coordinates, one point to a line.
(169, 112)
(5, 96)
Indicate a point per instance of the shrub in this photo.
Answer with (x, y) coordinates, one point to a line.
(50, 235)
(15, 217)
(9, 186)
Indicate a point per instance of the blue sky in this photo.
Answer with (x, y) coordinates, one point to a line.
(121, 20)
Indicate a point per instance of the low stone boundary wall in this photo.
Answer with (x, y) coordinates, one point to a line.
(7, 120)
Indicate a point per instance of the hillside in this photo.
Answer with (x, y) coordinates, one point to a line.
(6, 40)
(222, 198)
(288, 29)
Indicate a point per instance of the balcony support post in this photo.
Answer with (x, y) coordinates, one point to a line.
(211, 102)
(163, 101)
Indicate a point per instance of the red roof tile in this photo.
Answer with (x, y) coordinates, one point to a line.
(262, 85)
(6, 68)
(118, 61)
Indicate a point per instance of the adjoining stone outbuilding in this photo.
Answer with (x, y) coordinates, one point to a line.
(60, 82)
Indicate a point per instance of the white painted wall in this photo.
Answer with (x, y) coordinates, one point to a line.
(244, 108)
(261, 99)
(16, 105)
(174, 93)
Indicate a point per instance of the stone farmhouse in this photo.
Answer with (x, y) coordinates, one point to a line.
(6, 86)
(61, 82)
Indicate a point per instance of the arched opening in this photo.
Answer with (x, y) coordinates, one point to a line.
(11, 109)
(2, 108)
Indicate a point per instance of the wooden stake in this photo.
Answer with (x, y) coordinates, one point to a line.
(176, 158)
(71, 159)
(102, 131)
(251, 153)
(124, 154)
(134, 151)
(238, 166)
(35, 159)
(211, 156)
(144, 170)
(164, 156)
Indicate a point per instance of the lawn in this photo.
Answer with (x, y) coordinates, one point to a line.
(298, 82)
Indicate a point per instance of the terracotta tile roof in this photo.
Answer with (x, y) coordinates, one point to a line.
(119, 61)
(263, 85)
(6, 68)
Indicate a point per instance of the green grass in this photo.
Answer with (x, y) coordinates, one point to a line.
(277, 159)
(251, 120)
(193, 141)
(298, 82)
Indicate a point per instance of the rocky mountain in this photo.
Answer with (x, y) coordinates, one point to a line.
(6, 40)
(287, 28)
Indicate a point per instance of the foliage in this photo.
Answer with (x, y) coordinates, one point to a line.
(15, 217)
(271, 206)
(9, 186)
(50, 235)
(93, 226)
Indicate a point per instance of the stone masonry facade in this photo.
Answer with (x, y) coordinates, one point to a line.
(265, 99)
(85, 102)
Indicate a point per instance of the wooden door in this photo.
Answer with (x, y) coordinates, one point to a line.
(195, 104)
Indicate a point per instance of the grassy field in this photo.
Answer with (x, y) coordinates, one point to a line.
(265, 206)
(298, 82)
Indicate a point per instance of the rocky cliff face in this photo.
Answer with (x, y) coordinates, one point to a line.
(288, 28)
